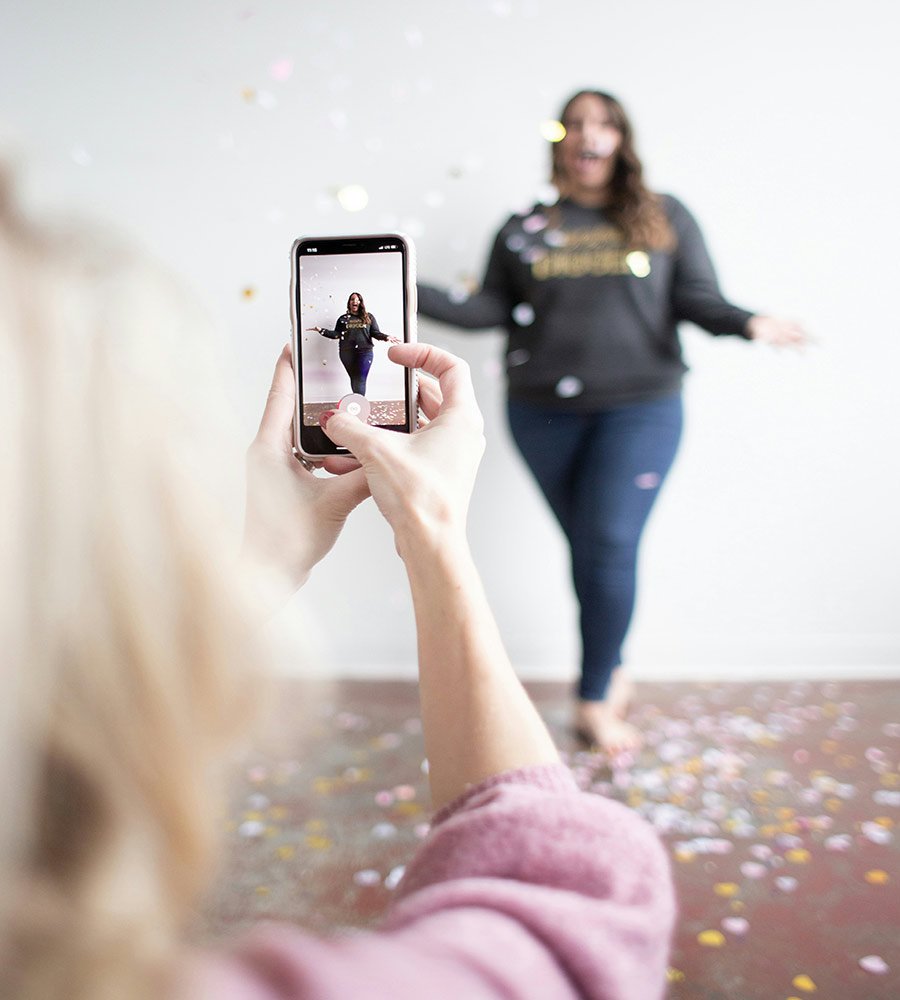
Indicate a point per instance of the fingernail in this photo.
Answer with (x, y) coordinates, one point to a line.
(326, 416)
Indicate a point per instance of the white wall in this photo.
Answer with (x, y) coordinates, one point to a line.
(774, 549)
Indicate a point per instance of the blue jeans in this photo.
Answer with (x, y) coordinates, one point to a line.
(601, 473)
(357, 363)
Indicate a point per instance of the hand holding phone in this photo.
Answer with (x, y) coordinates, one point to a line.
(422, 483)
(350, 297)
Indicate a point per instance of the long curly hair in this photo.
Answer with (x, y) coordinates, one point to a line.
(632, 207)
(363, 312)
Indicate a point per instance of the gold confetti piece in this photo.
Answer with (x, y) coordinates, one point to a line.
(248, 93)
(829, 746)
(248, 292)
(803, 982)
(831, 710)
(890, 780)
(674, 976)
(553, 131)
(319, 843)
(845, 761)
(785, 813)
(286, 852)
(252, 815)
(884, 821)
(322, 786)
(798, 856)
(792, 827)
(408, 808)
(877, 876)
(681, 854)
(834, 805)
(759, 796)
(737, 906)
(726, 889)
(711, 939)
(262, 890)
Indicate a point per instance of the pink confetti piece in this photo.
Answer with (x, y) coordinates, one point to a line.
(281, 70)
(874, 963)
(839, 842)
(753, 869)
(405, 793)
(384, 798)
(421, 830)
(736, 925)
(534, 223)
(762, 852)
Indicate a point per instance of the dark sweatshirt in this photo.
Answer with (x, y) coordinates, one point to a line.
(354, 332)
(590, 324)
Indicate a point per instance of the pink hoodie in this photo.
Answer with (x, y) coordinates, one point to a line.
(525, 888)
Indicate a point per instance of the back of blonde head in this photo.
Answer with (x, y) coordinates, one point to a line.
(125, 659)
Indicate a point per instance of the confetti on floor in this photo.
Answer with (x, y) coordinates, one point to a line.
(779, 803)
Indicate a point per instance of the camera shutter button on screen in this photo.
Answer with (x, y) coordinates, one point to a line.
(356, 405)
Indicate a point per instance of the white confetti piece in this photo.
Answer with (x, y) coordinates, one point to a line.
(875, 964)
(251, 828)
(368, 876)
(392, 879)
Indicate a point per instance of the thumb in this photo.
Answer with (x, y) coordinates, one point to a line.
(347, 432)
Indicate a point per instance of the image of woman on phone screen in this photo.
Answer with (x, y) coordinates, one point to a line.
(355, 331)
(590, 291)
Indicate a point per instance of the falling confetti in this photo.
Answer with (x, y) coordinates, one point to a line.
(353, 198)
(281, 70)
(553, 131)
(875, 964)
(711, 938)
(803, 982)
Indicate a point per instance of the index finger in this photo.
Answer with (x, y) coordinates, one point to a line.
(275, 424)
(451, 372)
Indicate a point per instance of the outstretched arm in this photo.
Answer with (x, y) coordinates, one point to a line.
(477, 718)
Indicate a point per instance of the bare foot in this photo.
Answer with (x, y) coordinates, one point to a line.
(598, 724)
(620, 692)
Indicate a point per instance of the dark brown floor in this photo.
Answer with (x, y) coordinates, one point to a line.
(780, 804)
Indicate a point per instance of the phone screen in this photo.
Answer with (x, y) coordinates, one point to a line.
(351, 301)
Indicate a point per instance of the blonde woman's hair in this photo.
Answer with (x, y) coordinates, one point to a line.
(123, 639)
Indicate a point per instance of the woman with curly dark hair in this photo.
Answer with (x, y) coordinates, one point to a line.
(355, 331)
(591, 291)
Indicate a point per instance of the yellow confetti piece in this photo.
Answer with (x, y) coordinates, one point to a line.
(803, 982)
(252, 816)
(834, 805)
(262, 890)
(831, 710)
(248, 93)
(553, 131)
(684, 855)
(286, 852)
(829, 746)
(785, 813)
(248, 292)
(323, 786)
(768, 831)
(711, 939)
(890, 780)
(315, 843)
(798, 856)
(737, 906)
(674, 976)
(726, 889)
(877, 876)
(792, 827)
(845, 761)
(760, 796)
(408, 808)
(884, 821)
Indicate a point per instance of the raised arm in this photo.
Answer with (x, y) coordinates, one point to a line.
(478, 720)
(489, 307)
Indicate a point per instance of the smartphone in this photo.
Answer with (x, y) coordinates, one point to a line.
(351, 296)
